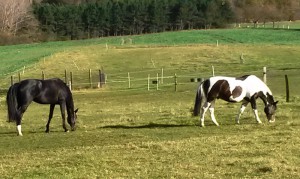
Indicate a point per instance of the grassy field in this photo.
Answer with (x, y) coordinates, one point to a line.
(136, 133)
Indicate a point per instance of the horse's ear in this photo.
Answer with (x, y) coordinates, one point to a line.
(76, 110)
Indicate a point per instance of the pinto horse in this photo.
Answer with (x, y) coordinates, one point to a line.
(245, 89)
(51, 91)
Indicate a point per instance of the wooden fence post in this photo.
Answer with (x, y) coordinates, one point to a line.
(19, 76)
(99, 84)
(265, 74)
(287, 89)
(175, 81)
(12, 80)
(43, 75)
(157, 81)
(148, 82)
(90, 78)
(162, 76)
(128, 76)
(71, 80)
(66, 78)
(213, 70)
(242, 58)
(102, 79)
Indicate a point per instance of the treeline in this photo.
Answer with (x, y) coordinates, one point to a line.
(129, 17)
(25, 21)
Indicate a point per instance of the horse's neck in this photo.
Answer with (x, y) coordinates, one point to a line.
(256, 86)
(266, 96)
(70, 107)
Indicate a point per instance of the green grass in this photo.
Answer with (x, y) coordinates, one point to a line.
(151, 135)
(14, 58)
(135, 133)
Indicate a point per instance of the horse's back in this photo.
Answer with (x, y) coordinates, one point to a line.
(55, 89)
(54, 83)
(255, 84)
(232, 89)
(49, 91)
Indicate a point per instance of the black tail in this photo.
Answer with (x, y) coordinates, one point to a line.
(198, 101)
(12, 103)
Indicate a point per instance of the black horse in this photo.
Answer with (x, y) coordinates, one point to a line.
(51, 91)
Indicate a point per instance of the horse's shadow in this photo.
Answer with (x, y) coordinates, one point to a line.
(13, 133)
(147, 126)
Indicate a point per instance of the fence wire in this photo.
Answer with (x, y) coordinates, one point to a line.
(168, 79)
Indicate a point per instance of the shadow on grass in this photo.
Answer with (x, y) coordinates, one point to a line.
(149, 126)
(15, 133)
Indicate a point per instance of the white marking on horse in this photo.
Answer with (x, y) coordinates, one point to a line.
(19, 129)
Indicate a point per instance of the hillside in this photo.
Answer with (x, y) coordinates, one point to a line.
(136, 128)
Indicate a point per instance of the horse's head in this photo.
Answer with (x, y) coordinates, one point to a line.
(72, 120)
(270, 111)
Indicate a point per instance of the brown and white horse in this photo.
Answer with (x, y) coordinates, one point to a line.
(245, 89)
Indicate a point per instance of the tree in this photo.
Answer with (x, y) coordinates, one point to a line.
(13, 14)
(116, 18)
(265, 10)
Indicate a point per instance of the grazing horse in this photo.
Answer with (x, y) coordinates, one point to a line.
(51, 91)
(245, 89)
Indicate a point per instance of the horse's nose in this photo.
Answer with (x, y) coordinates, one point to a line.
(73, 128)
(272, 119)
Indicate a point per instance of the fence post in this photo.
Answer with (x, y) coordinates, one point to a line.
(71, 81)
(242, 58)
(265, 74)
(162, 76)
(12, 80)
(287, 88)
(148, 82)
(157, 81)
(213, 70)
(19, 76)
(99, 84)
(70, 85)
(175, 81)
(66, 78)
(90, 78)
(128, 76)
(43, 75)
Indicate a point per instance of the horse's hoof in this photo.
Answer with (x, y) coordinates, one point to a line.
(66, 130)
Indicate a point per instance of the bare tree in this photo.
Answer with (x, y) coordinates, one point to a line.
(266, 10)
(13, 13)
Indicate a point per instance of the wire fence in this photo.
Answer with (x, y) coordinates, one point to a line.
(169, 79)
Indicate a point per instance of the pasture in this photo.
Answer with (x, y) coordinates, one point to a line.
(136, 133)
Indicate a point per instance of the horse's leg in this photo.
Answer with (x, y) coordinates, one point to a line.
(254, 108)
(50, 116)
(19, 128)
(63, 115)
(21, 109)
(212, 113)
(203, 111)
(241, 110)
